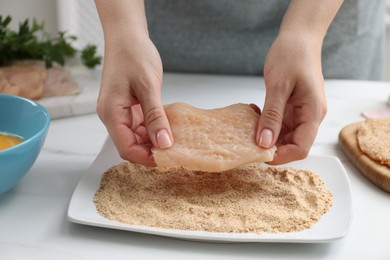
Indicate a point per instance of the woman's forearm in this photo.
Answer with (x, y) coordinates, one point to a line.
(313, 17)
(122, 18)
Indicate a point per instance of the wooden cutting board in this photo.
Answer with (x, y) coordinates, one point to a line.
(377, 173)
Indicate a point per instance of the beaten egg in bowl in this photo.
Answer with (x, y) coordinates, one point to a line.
(8, 140)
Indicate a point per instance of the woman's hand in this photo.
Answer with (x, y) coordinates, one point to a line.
(295, 103)
(129, 102)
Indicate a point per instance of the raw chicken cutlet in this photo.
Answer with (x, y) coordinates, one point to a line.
(212, 140)
(373, 136)
(31, 79)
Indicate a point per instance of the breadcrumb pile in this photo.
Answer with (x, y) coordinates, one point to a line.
(373, 137)
(251, 198)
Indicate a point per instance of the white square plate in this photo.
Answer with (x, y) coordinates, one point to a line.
(332, 226)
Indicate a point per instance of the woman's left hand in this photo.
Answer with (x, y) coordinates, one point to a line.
(295, 103)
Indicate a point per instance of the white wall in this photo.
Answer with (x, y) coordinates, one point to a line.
(22, 9)
(76, 17)
(387, 60)
(80, 18)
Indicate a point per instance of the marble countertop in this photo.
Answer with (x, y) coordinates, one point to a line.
(33, 215)
(74, 105)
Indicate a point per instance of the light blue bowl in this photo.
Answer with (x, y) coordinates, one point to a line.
(29, 120)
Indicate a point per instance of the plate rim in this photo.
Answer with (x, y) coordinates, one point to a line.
(283, 237)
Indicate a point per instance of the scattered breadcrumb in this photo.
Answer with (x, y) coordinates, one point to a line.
(373, 137)
(250, 198)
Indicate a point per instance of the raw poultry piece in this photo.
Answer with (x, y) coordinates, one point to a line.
(59, 83)
(212, 140)
(29, 80)
(35, 81)
(6, 87)
(373, 136)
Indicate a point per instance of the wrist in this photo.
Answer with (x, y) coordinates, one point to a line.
(122, 20)
(301, 39)
(310, 18)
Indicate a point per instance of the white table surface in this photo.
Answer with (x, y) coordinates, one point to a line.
(34, 224)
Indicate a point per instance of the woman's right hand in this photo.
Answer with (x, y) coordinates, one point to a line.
(129, 102)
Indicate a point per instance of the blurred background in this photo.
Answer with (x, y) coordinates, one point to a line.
(80, 18)
(76, 17)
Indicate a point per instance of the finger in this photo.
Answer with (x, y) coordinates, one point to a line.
(255, 108)
(297, 144)
(271, 119)
(284, 154)
(130, 143)
(137, 124)
(156, 121)
(137, 116)
(126, 143)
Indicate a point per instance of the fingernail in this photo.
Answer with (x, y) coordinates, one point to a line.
(163, 139)
(266, 137)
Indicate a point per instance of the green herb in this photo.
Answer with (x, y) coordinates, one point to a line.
(88, 55)
(31, 41)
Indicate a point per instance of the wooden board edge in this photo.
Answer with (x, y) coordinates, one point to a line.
(376, 173)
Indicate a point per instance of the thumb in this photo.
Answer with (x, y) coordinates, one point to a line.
(156, 122)
(271, 119)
